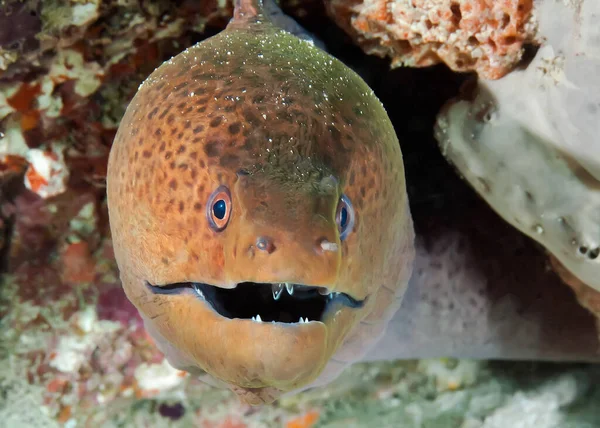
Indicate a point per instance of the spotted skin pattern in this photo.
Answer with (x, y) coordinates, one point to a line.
(288, 129)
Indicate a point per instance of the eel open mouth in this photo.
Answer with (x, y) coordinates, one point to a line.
(265, 302)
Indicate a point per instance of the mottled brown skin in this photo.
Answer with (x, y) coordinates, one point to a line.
(288, 129)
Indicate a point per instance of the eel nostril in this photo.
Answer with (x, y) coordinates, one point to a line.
(324, 245)
(265, 244)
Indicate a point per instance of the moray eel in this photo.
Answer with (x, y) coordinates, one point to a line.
(258, 209)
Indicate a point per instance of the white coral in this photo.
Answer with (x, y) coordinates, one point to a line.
(74, 349)
(47, 172)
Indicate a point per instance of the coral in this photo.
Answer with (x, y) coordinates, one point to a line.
(484, 36)
(58, 63)
(540, 407)
(19, 26)
(73, 351)
(528, 142)
(451, 374)
(70, 338)
(47, 173)
(59, 336)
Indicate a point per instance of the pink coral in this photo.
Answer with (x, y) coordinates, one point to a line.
(472, 35)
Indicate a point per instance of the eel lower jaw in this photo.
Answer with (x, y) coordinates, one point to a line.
(278, 303)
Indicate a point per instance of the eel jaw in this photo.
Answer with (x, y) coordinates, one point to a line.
(284, 303)
(259, 360)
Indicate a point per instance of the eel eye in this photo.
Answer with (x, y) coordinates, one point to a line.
(344, 217)
(218, 209)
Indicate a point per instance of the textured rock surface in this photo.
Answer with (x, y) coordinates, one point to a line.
(484, 36)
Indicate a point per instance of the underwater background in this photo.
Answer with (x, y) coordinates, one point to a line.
(73, 351)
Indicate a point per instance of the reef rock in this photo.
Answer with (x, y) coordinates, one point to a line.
(67, 70)
(485, 36)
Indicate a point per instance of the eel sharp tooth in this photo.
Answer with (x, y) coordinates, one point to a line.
(258, 319)
(277, 289)
(197, 290)
(290, 288)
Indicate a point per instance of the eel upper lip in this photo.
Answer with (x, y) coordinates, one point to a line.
(275, 302)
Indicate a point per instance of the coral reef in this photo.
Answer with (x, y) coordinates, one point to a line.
(66, 72)
(528, 142)
(72, 348)
(486, 36)
(67, 327)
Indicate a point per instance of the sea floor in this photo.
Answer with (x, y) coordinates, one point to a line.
(413, 394)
